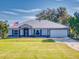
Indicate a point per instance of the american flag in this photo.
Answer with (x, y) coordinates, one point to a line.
(15, 24)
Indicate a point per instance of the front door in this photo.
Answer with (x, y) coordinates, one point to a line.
(26, 32)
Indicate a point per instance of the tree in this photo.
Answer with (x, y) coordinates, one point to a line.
(3, 29)
(56, 15)
(72, 23)
(49, 14)
(74, 26)
(62, 15)
(76, 14)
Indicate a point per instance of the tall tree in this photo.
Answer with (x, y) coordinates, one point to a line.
(56, 15)
(62, 15)
(76, 14)
(74, 25)
(49, 14)
(3, 29)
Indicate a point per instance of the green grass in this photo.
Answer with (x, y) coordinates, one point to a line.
(27, 40)
(35, 49)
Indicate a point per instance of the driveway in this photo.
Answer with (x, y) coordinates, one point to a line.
(70, 42)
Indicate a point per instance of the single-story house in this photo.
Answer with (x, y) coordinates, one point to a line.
(38, 28)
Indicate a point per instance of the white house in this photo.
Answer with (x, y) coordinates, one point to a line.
(38, 28)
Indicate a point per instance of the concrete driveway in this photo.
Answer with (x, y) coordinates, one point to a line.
(70, 42)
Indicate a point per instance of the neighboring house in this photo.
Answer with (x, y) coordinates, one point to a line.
(38, 28)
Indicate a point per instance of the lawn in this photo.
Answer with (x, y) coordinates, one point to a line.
(35, 49)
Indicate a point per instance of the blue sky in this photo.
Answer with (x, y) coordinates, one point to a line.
(22, 10)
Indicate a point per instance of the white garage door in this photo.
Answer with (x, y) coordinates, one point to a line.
(58, 33)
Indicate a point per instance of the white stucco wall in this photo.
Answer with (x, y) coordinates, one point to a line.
(31, 31)
(58, 33)
(44, 31)
(10, 32)
(21, 32)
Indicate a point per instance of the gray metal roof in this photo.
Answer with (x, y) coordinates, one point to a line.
(42, 24)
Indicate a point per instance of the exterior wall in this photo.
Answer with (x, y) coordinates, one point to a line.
(31, 32)
(21, 32)
(10, 31)
(44, 32)
(59, 33)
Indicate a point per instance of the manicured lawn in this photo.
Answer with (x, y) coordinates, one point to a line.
(35, 49)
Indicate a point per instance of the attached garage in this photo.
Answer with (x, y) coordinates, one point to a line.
(59, 33)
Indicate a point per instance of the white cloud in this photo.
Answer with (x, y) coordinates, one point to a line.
(26, 18)
(9, 12)
(27, 11)
(18, 15)
(29, 17)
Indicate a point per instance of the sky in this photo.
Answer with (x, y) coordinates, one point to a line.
(22, 10)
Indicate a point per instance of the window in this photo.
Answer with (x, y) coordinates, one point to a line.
(15, 32)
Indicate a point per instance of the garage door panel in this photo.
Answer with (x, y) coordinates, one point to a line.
(58, 33)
